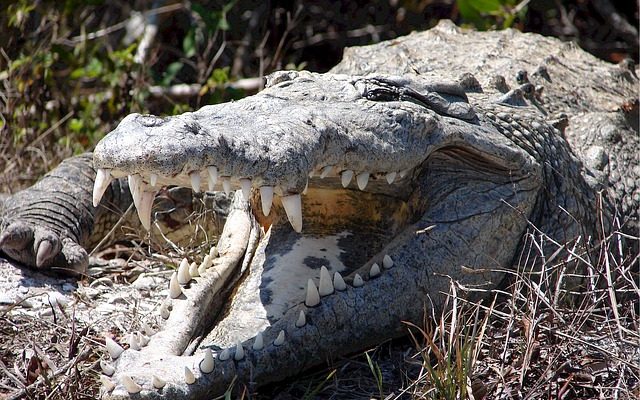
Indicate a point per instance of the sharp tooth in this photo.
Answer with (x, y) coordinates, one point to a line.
(213, 252)
(293, 207)
(245, 185)
(107, 383)
(239, 354)
(130, 385)
(213, 177)
(313, 297)
(164, 310)
(100, 185)
(133, 342)
(374, 271)
(107, 368)
(391, 176)
(404, 172)
(326, 171)
(362, 179)
(226, 184)
(183, 272)
(174, 287)
(144, 208)
(306, 187)
(148, 330)
(134, 188)
(193, 270)
(387, 262)
(188, 376)
(346, 177)
(279, 340)
(195, 181)
(224, 355)
(325, 287)
(113, 348)
(206, 263)
(157, 382)
(258, 343)
(207, 364)
(142, 339)
(338, 282)
(302, 319)
(357, 281)
(266, 197)
(153, 180)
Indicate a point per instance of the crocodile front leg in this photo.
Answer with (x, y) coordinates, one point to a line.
(52, 223)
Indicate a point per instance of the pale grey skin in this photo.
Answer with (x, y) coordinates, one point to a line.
(484, 168)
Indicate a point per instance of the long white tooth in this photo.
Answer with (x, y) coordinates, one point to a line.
(157, 382)
(207, 364)
(148, 330)
(142, 339)
(258, 342)
(174, 287)
(362, 179)
(213, 177)
(195, 181)
(280, 339)
(313, 297)
(357, 281)
(375, 270)
(302, 319)
(345, 178)
(306, 187)
(239, 353)
(338, 282)
(325, 287)
(391, 176)
(189, 378)
(100, 185)
(145, 203)
(107, 383)
(130, 385)
(224, 355)
(107, 368)
(133, 342)
(226, 184)
(326, 171)
(404, 172)
(245, 185)
(193, 270)
(183, 272)
(387, 262)
(153, 180)
(266, 197)
(134, 188)
(293, 207)
(165, 313)
(213, 252)
(206, 263)
(113, 348)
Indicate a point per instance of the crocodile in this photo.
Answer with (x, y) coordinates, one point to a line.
(361, 195)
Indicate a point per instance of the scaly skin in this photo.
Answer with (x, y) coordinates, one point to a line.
(481, 164)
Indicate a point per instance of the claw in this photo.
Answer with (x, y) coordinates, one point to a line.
(46, 250)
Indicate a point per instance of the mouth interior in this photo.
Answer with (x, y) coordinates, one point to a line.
(343, 230)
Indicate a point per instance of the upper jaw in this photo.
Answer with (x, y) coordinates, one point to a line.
(276, 138)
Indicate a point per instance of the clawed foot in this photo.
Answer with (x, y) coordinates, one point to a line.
(42, 248)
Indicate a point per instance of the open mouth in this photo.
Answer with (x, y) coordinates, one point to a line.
(327, 230)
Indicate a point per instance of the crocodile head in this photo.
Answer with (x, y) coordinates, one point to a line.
(361, 199)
